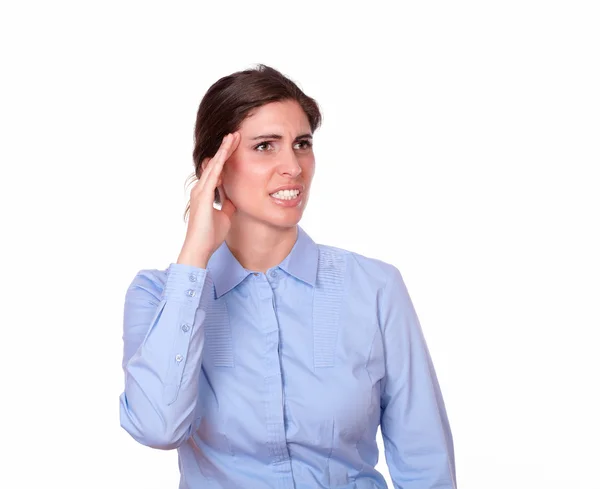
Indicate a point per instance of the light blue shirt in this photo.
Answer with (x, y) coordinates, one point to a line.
(280, 380)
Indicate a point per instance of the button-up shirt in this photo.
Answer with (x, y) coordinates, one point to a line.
(280, 380)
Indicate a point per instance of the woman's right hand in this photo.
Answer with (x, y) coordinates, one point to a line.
(207, 226)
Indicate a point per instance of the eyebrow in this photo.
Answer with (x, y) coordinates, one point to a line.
(279, 136)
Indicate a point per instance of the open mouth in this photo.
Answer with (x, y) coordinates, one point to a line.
(286, 194)
(287, 198)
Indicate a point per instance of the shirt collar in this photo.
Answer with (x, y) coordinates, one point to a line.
(301, 262)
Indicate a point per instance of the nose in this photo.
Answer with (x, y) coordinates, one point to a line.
(288, 163)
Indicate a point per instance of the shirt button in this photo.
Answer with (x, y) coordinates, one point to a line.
(185, 328)
(191, 292)
(178, 358)
(192, 277)
(273, 273)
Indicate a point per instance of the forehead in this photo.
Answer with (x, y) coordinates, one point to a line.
(286, 116)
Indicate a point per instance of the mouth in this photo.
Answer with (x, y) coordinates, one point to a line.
(287, 198)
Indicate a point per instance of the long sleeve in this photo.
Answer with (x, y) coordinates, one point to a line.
(416, 433)
(163, 341)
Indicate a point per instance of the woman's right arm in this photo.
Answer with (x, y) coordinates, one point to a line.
(163, 326)
(163, 338)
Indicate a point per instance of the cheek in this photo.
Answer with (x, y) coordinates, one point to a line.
(243, 179)
(308, 167)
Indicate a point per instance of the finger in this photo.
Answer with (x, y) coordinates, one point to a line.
(200, 184)
(221, 153)
(232, 145)
(219, 161)
(227, 149)
(212, 161)
(226, 205)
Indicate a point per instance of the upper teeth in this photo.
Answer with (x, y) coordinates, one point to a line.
(286, 194)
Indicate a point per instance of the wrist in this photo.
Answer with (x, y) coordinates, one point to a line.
(196, 259)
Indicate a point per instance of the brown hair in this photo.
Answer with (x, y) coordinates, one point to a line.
(230, 99)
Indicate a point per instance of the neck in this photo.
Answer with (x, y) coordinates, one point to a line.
(258, 246)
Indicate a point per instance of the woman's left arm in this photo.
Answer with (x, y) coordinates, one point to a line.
(416, 433)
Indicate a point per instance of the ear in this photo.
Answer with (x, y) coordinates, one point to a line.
(222, 193)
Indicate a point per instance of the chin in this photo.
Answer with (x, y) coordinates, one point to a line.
(283, 218)
(284, 222)
(273, 215)
(280, 220)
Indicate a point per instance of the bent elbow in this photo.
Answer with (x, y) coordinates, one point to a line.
(152, 431)
(152, 438)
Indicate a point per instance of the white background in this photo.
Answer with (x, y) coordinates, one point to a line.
(460, 142)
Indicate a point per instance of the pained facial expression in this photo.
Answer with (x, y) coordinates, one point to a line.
(263, 162)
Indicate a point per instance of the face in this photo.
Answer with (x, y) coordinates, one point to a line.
(275, 150)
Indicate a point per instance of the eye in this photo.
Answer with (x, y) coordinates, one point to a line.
(262, 144)
(306, 142)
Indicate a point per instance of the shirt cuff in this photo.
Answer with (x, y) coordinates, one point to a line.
(184, 283)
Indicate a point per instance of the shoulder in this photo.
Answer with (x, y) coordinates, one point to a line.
(360, 267)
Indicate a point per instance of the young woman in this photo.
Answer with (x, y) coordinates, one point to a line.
(267, 360)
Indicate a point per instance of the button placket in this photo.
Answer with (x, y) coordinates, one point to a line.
(274, 277)
(274, 403)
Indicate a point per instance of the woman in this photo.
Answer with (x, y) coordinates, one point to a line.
(267, 360)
